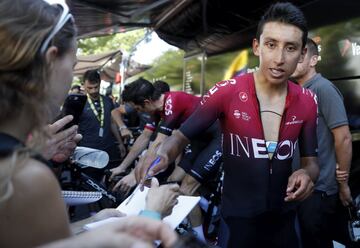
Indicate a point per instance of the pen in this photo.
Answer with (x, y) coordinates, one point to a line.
(153, 164)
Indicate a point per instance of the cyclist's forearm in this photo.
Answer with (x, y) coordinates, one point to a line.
(139, 146)
(173, 146)
(156, 144)
(117, 117)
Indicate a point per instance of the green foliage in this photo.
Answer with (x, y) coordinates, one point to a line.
(122, 41)
(216, 67)
(167, 67)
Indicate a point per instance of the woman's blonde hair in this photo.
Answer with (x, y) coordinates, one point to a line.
(24, 25)
(24, 73)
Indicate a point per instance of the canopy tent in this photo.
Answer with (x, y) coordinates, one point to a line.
(96, 61)
(108, 65)
(213, 26)
(103, 17)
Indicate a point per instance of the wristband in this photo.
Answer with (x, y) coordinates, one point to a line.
(150, 214)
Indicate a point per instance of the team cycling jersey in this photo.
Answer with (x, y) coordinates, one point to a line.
(178, 106)
(253, 183)
(202, 157)
(202, 160)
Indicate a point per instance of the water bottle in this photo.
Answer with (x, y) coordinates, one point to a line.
(89, 157)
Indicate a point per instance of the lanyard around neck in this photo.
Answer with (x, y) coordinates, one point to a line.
(96, 113)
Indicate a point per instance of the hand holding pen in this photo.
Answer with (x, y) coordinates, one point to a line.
(149, 172)
(149, 167)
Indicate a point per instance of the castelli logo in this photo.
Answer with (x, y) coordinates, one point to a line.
(294, 121)
(243, 96)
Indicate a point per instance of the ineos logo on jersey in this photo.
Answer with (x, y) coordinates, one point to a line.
(215, 88)
(168, 106)
(243, 96)
(285, 149)
(204, 98)
(226, 82)
(213, 160)
(256, 148)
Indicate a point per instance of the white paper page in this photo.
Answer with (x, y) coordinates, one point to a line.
(137, 203)
(181, 210)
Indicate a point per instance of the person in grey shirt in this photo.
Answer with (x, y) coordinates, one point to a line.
(335, 151)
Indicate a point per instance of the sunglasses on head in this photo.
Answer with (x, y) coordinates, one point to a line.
(65, 16)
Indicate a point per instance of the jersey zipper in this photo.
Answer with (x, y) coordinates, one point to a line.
(257, 107)
(268, 195)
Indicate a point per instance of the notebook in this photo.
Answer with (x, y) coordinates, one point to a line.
(72, 198)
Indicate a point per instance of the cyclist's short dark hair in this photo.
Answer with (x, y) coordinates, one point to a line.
(139, 91)
(162, 86)
(287, 13)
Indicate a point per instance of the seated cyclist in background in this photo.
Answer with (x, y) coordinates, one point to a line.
(199, 165)
(147, 125)
(128, 119)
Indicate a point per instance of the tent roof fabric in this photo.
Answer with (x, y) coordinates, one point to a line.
(213, 26)
(108, 64)
(98, 61)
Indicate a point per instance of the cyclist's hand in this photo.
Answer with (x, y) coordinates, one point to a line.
(126, 183)
(115, 171)
(143, 170)
(299, 187)
(126, 133)
(162, 198)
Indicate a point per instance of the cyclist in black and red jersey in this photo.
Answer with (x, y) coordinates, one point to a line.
(262, 116)
(202, 161)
